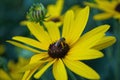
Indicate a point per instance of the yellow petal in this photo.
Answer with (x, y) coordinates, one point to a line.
(76, 9)
(59, 6)
(53, 31)
(55, 10)
(91, 4)
(106, 5)
(105, 42)
(88, 43)
(34, 64)
(59, 70)
(31, 42)
(90, 38)
(4, 75)
(38, 57)
(31, 66)
(23, 46)
(79, 24)
(41, 71)
(73, 28)
(103, 16)
(81, 69)
(27, 75)
(99, 29)
(35, 61)
(39, 32)
(82, 54)
(68, 21)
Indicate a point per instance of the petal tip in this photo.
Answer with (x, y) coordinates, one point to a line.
(69, 12)
(87, 8)
(97, 76)
(36, 76)
(113, 39)
(102, 55)
(107, 26)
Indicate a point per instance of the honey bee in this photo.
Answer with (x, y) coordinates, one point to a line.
(60, 42)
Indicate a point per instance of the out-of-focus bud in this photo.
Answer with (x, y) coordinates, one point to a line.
(37, 13)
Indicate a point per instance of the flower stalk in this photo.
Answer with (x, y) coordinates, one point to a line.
(116, 31)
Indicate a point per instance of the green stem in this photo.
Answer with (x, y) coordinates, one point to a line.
(116, 30)
(41, 23)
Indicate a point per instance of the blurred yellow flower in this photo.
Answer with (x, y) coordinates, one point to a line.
(4, 75)
(110, 8)
(69, 49)
(54, 12)
(13, 68)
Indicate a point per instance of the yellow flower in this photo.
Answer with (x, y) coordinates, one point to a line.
(13, 67)
(4, 75)
(68, 50)
(110, 9)
(54, 12)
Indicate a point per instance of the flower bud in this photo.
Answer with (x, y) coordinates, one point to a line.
(37, 13)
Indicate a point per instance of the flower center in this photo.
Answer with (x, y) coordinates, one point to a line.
(118, 7)
(58, 49)
(55, 20)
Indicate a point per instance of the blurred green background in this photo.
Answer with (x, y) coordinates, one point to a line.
(12, 12)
